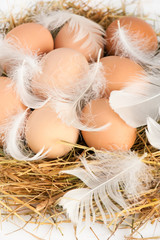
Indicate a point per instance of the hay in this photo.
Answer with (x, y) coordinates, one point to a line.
(33, 188)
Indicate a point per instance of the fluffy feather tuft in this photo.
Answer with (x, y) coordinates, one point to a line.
(130, 45)
(105, 177)
(10, 54)
(82, 26)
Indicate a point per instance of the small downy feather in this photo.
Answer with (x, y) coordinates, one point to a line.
(68, 104)
(130, 45)
(82, 26)
(138, 100)
(21, 68)
(14, 140)
(106, 174)
(153, 132)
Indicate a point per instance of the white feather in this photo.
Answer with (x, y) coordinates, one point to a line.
(82, 26)
(11, 54)
(21, 67)
(14, 140)
(131, 45)
(153, 132)
(138, 100)
(68, 104)
(22, 75)
(116, 177)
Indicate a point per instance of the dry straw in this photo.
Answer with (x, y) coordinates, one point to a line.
(33, 188)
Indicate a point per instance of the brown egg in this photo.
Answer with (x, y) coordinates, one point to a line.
(45, 129)
(10, 103)
(135, 27)
(31, 36)
(66, 38)
(118, 136)
(120, 71)
(61, 68)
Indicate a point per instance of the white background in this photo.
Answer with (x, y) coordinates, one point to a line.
(9, 230)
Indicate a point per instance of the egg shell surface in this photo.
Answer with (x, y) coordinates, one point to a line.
(61, 68)
(119, 72)
(31, 36)
(117, 136)
(45, 129)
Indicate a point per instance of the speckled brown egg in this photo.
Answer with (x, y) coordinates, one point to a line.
(117, 136)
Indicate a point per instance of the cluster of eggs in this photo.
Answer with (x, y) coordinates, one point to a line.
(64, 62)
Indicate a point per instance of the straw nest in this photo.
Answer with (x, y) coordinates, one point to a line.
(33, 188)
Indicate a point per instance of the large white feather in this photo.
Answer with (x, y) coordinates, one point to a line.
(153, 132)
(14, 140)
(138, 100)
(82, 26)
(112, 178)
(131, 45)
(69, 104)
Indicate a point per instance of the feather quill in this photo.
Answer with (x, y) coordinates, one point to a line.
(14, 140)
(82, 26)
(153, 132)
(105, 177)
(138, 100)
(130, 45)
(68, 104)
